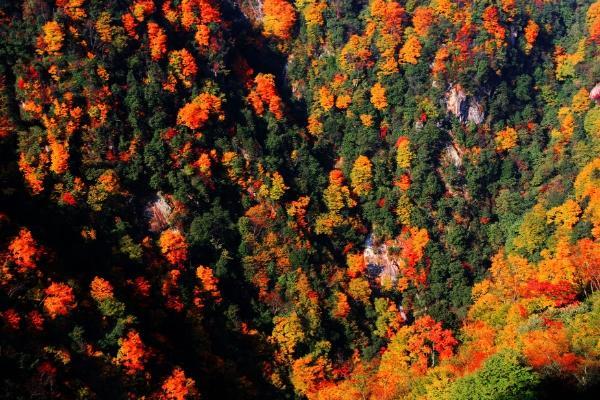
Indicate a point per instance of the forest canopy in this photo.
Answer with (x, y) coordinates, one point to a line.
(300, 199)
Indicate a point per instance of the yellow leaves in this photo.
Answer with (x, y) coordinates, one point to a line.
(366, 120)
(287, 334)
(51, 40)
(403, 153)
(326, 98)
(313, 13)
(410, 51)
(565, 216)
(566, 63)
(506, 139)
(361, 176)
(378, 96)
(105, 31)
(581, 101)
(403, 209)
(532, 233)
(587, 182)
(359, 290)
(315, 127)
(278, 187)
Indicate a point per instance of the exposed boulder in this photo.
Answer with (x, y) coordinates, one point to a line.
(463, 107)
(158, 213)
(475, 114)
(456, 102)
(595, 93)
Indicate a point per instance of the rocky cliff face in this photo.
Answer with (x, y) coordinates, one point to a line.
(465, 108)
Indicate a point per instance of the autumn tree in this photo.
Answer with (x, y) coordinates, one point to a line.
(177, 386)
(410, 51)
(378, 96)
(173, 246)
(51, 40)
(196, 113)
(279, 18)
(361, 176)
(157, 41)
(59, 299)
(24, 250)
(132, 353)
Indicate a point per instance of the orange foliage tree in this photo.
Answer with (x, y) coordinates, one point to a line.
(174, 246)
(157, 40)
(531, 33)
(422, 19)
(101, 289)
(265, 92)
(506, 139)
(59, 300)
(196, 113)
(378, 96)
(177, 386)
(132, 353)
(279, 18)
(51, 40)
(23, 250)
(183, 66)
(410, 51)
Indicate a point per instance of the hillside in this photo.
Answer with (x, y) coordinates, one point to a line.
(309, 199)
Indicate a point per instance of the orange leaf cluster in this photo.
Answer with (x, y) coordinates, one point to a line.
(51, 40)
(59, 299)
(199, 12)
(279, 18)
(158, 41)
(177, 386)
(173, 246)
(142, 8)
(72, 8)
(23, 250)
(378, 96)
(132, 353)
(422, 19)
(265, 92)
(209, 282)
(195, 114)
(506, 139)
(491, 23)
(326, 98)
(593, 22)
(101, 289)
(531, 33)
(183, 65)
(410, 51)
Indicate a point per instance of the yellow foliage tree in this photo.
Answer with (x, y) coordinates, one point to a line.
(361, 176)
